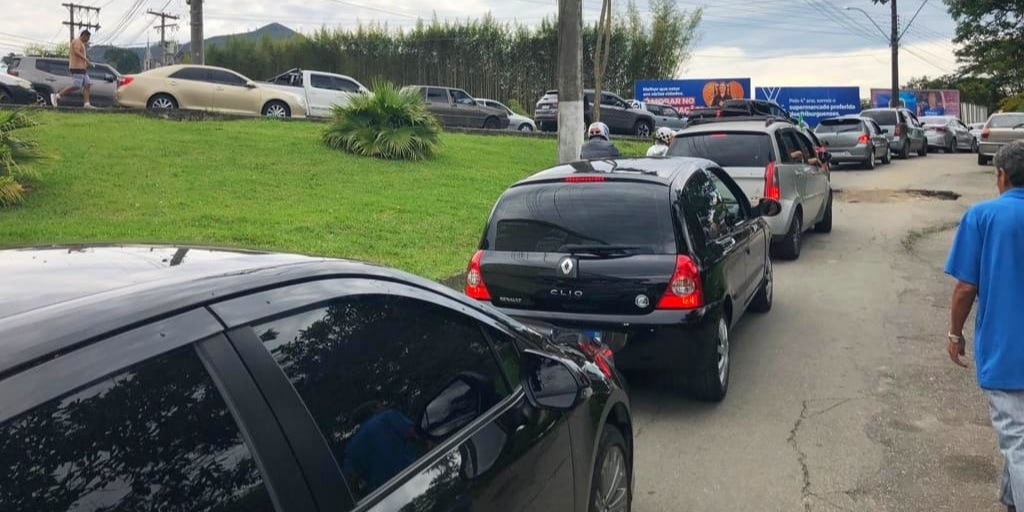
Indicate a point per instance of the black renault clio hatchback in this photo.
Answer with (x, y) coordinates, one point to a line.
(176, 379)
(657, 257)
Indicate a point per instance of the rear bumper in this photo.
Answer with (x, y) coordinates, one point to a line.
(854, 154)
(938, 141)
(989, 148)
(897, 144)
(659, 340)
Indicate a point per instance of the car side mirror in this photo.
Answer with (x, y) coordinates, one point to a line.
(552, 383)
(461, 401)
(250, 84)
(769, 207)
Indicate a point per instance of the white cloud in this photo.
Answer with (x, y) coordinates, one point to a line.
(864, 67)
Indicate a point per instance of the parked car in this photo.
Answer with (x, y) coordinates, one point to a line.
(18, 91)
(50, 74)
(151, 378)
(975, 129)
(902, 128)
(854, 139)
(616, 112)
(666, 116)
(192, 87)
(516, 122)
(1000, 129)
(659, 257)
(455, 107)
(768, 158)
(948, 134)
(321, 90)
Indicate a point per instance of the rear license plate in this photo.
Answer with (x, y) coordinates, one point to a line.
(545, 107)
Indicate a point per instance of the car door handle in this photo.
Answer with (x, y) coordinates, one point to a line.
(729, 243)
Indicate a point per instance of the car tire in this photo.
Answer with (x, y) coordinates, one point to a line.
(982, 159)
(162, 102)
(952, 147)
(905, 151)
(923, 151)
(491, 123)
(525, 127)
(276, 108)
(825, 224)
(5, 96)
(789, 247)
(612, 468)
(642, 129)
(887, 157)
(974, 145)
(869, 163)
(762, 302)
(711, 382)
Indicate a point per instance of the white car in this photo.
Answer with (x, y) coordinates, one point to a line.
(975, 130)
(321, 90)
(17, 91)
(516, 122)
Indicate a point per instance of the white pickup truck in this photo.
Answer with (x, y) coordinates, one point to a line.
(321, 90)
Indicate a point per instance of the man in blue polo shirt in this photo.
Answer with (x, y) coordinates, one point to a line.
(987, 260)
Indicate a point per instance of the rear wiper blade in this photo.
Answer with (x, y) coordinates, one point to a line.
(1018, 125)
(599, 250)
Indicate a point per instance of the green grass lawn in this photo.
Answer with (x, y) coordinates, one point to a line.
(266, 185)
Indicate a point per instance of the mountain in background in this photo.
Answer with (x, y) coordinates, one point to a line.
(273, 31)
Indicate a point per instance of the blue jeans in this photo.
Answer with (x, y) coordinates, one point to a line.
(1007, 409)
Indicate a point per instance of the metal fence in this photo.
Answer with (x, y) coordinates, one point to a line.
(970, 113)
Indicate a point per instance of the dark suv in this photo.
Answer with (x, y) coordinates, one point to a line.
(658, 257)
(618, 114)
(152, 378)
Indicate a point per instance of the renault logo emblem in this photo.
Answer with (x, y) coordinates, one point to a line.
(567, 266)
(642, 301)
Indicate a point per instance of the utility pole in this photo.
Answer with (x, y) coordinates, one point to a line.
(570, 80)
(163, 26)
(894, 42)
(84, 12)
(196, 21)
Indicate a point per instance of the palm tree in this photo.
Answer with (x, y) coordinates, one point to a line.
(14, 151)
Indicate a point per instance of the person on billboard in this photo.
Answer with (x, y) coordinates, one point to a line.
(931, 105)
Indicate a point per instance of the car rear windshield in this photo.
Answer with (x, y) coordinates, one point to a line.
(838, 126)
(882, 117)
(727, 149)
(550, 216)
(1006, 121)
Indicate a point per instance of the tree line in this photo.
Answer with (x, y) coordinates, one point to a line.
(503, 61)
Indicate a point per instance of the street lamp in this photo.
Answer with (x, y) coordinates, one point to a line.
(894, 44)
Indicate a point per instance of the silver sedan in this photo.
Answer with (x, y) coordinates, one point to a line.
(948, 134)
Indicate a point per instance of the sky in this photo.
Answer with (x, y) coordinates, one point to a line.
(774, 42)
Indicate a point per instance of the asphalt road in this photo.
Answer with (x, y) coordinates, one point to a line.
(842, 397)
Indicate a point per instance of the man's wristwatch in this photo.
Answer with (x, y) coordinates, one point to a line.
(956, 338)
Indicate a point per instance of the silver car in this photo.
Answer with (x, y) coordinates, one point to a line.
(1000, 129)
(948, 134)
(902, 128)
(50, 74)
(975, 129)
(854, 139)
(516, 122)
(767, 158)
(665, 115)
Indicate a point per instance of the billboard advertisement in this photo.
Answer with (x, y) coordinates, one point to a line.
(923, 102)
(813, 103)
(692, 93)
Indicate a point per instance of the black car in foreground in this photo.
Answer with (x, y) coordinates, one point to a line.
(178, 379)
(658, 257)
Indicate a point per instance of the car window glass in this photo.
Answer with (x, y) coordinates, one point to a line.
(220, 76)
(792, 153)
(100, 72)
(291, 79)
(462, 97)
(344, 84)
(157, 436)
(743, 149)
(53, 67)
(883, 117)
(734, 209)
(1006, 120)
(197, 74)
(806, 146)
(435, 95)
(320, 81)
(706, 210)
(386, 378)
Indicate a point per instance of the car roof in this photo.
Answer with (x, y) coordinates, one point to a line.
(652, 169)
(735, 126)
(81, 293)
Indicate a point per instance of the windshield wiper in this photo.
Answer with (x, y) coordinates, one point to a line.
(600, 250)
(1018, 125)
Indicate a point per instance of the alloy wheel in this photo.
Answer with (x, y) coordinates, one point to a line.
(276, 110)
(162, 103)
(613, 492)
(769, 282)
(723, 351)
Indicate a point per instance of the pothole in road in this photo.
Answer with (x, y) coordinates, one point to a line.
(893, 196)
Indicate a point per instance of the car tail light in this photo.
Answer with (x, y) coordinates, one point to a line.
(684, 290)
(125, 80)
(898, 131)
(583, 179)
(771, 183)
(12, 72)
(475, 286)
(601, 354)
(863, 139)
(985, 132)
